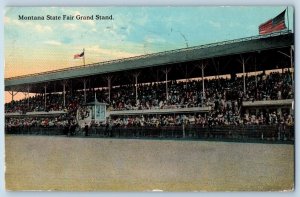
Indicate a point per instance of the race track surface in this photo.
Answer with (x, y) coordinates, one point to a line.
(97, 164)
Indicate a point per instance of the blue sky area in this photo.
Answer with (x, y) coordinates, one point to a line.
(35, 46)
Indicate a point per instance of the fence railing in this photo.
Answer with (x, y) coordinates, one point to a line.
(230, 132)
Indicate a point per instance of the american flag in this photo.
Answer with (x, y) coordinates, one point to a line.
(274, 24)
(76, 56)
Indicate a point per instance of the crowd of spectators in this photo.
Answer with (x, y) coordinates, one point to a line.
(204, 120)
(46, 122)
(220, 91)
(223, 95)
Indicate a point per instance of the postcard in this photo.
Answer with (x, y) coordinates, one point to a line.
(149, 98)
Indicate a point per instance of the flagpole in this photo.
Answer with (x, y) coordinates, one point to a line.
(83, 58)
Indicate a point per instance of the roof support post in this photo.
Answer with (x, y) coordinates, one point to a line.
(255, 73)
(12, 93)
(291, 60)
(166, 74)
(45, 104)
(136, 75)
(109, 88)
(186, 76)
(108, 78)
(64, 92)
(244, 77)
(243, 62)
(202, 67)
(292, 66)
(203, 85)
(64, 83)
(84, 89)
(28, 96)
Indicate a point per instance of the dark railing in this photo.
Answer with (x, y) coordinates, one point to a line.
(36, 130)
(233, 133)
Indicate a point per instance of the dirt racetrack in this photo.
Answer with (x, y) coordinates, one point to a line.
(97, 164)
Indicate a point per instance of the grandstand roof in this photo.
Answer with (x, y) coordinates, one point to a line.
(213, 55)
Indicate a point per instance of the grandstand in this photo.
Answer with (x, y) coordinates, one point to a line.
(239, 90)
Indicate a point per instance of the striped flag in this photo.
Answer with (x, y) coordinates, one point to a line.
(76, 56)
(274, 24)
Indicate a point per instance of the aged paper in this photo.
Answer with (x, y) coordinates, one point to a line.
(149, 98)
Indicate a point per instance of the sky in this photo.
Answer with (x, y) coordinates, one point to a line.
(33, 46)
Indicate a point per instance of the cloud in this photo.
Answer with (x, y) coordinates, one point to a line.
(66, 40)
(70, 26)
(215, 24)
(7, 20)
(42, 28)
(53, 42)
(154, 39)
(76, 13)
(28, 25)
(109, 53)
(18, 23)
(89, 22)
(142, 20)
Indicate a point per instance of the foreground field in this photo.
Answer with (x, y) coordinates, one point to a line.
(91, 164)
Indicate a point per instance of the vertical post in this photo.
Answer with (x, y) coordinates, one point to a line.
(186, 75)
(12, 95)
(255, 73)
(136, 88)
(28, 97)
(244, 76)
(64, 92)
(292, 66)
(217, 67)
(84, 89)
(203, 86)
(167, 96)
(45, 87)
(136, 75)
(25, 95)
(166, 73)
(108, 78)
(291, 60)
(243, 62)
(218, 73)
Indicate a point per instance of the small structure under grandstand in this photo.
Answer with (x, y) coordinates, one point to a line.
(93, 112)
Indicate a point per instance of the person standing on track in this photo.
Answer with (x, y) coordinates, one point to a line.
(86, 129)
